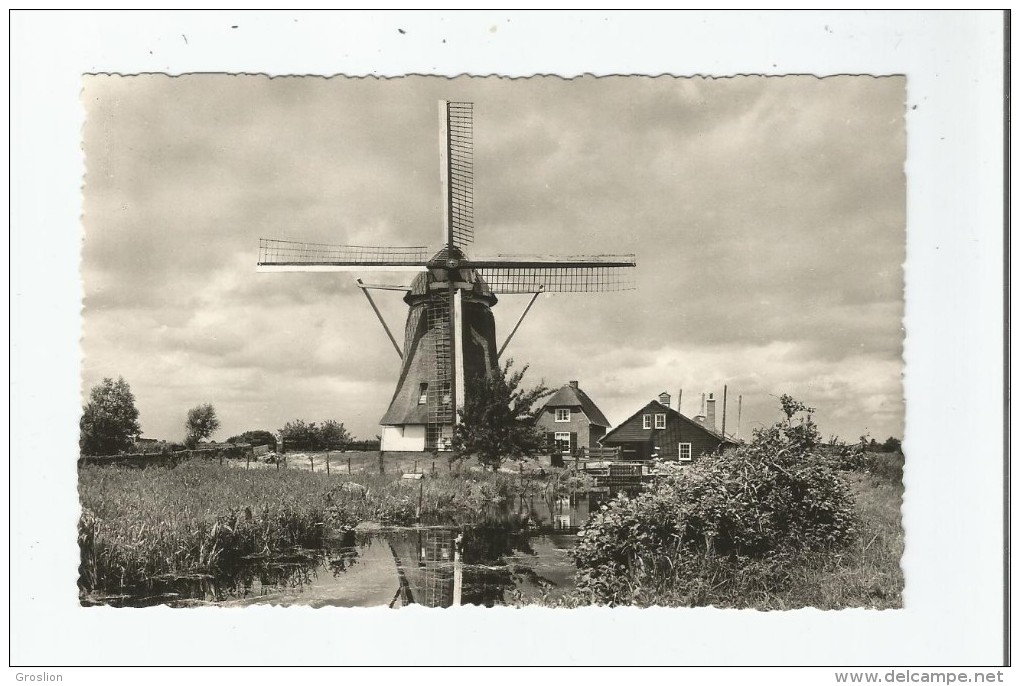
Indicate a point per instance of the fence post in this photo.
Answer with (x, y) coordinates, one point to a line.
(416, 466)
(311, 461)
(433, 466)
(247, 460)
(348, 464)
(327, 463)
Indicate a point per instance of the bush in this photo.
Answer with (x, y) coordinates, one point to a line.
(735, 517)
(257, 437)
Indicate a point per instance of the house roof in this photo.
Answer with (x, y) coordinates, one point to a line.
(569, 396)
(623, 431)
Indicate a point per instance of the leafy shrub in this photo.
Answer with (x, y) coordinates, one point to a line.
(330, 435)
(887, 466)
(257, 437)
(735, 517)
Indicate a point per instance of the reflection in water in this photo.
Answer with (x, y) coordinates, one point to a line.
(513, 553)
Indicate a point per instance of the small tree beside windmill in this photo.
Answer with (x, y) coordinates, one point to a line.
(497, 422)
(450, 333)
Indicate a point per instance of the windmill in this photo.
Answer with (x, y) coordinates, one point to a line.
(450, 333)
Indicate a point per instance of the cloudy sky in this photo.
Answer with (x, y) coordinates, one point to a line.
(767, 216)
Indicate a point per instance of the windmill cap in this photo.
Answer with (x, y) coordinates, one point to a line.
(419, 291)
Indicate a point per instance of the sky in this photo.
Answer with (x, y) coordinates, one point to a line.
(767, 215)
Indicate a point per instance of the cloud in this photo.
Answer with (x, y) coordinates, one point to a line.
(767, 215)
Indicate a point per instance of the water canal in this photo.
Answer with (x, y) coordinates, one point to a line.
(509, 556)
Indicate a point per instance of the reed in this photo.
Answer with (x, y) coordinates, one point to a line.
(144, 526)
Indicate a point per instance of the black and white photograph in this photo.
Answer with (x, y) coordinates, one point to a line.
(618, 341)
(508, 338)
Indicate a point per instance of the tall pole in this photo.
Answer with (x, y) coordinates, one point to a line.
(740, 404)
(724, 411)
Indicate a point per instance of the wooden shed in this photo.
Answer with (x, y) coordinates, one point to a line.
(658, 431)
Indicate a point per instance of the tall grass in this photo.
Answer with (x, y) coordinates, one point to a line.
(140, 527)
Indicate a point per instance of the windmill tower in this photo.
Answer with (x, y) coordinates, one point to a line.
(450, 333)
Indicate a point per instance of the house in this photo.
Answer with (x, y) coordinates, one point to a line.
(572, 420)
(658, 431)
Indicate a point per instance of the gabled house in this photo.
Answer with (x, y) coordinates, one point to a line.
(572, 420)
(658, 431)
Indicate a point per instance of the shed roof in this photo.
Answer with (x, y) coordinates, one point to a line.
(570, 396)
(630, 430)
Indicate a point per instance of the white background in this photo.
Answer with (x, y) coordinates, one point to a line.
(954, 366)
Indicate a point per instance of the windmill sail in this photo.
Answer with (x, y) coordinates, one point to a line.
(458, 171)
(576, 274)
(276, 255)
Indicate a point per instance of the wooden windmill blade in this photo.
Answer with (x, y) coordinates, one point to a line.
(507, 274)
(457, 171)
(292, 256)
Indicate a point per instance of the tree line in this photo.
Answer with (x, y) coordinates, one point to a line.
(109, 425)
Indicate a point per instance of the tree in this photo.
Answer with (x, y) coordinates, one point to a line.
(497, 421)
(202, 423)
(109, 421)
(297, 434)
(332, 435)
(892, 445)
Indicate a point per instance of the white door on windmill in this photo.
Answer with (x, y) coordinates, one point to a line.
(450, 334)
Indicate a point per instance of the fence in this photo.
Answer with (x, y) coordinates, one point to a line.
(167, 459)
(601, 454)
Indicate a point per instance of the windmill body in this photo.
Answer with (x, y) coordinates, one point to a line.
(420, 413)
(450, 332)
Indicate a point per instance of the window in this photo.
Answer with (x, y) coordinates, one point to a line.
(660, 421)
(563, 414)
(423, 393)
(648, 421)
(685, 452)
(563, 442)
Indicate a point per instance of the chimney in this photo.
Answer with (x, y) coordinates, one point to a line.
(700, 417)
(710, 412)
(664, 398)
(573, 384)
